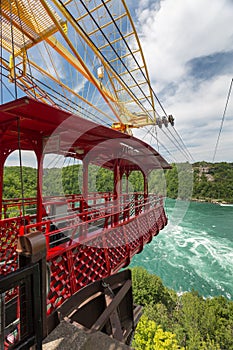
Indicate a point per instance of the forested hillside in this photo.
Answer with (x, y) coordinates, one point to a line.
(186, 321)
(201, 181)
(211, 181)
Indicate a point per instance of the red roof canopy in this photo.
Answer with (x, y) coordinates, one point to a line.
(31, 123)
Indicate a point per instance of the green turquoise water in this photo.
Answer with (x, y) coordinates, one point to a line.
(195, 250)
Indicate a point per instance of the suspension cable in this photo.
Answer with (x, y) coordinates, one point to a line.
(179, 146)
(106, 60)
(179, 149)
(84, 111)
(142, 72)
(24, 42)
(136, 61)
(183, 143)
(222, 121)
(166, 149)
(13, 50)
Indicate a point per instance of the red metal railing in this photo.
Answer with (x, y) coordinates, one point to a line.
(86, 240)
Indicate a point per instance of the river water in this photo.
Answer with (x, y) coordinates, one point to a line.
(195, 250)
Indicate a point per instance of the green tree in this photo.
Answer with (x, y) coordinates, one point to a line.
(149, 289)
(150, 336)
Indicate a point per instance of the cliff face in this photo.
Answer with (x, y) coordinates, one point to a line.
(211, 182)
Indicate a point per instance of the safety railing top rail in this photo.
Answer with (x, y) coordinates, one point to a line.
(19, 206)
(84, 225)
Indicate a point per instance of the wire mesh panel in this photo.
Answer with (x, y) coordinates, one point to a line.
(9, 230)
(20, 317)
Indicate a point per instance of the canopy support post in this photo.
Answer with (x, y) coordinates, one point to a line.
(1, 181)
(117, 188)
(3, 157)
(145, 183)
(84, 202)
(39, 204)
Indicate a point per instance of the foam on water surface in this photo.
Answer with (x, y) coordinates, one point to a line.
(196, 253)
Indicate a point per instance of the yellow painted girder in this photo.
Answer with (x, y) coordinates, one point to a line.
(143, 58)
(57, 46)
(59, 82)
(78, 57)
(107, 24)
(93, 10)
(116, 40)
(107, 66)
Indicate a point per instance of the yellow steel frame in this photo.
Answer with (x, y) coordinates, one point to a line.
(36, 34)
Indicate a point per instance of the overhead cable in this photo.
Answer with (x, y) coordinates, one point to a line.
(222, 121)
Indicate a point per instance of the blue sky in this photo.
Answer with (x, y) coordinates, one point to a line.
(188, 47)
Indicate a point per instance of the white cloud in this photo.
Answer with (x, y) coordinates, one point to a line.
(172, 36)
(181, 30)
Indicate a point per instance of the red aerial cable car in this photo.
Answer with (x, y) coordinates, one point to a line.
(89, 235)
(52, 55)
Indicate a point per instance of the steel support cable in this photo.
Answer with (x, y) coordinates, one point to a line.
(222, 121)
(2, 82)
(81, 108)
(52, 160)
(106, 60)
(46, 63)
(53, 65)
(156, 132)
(38, 47)
(174, 144)
(106, 38)
(58, 157)
(142, 72)
(166, 149)
(190, 155)
(87, 114)
(178, 143)
(13, 48)
(136, 61)
(86, 55)
(85, 51)
(28, 62)
(147, 131)
(48, 53)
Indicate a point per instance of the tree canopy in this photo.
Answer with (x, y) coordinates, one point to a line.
(172, 321)
(201, 181)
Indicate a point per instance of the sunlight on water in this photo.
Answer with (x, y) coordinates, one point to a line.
(197, 253)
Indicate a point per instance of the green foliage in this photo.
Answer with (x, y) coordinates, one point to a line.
(12, 186)
(197, 323)
(150, 336)
(149, 289)
(213, 181)
(208, 181)
(202, 181)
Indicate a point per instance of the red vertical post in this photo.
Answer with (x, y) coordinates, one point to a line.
(117, 179)
(145, 178)
(85, 194)
(85, 181)
(40, 157)
(1, 182)
(127, 181)
(127, 193)
(3, 158)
